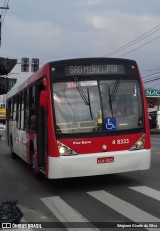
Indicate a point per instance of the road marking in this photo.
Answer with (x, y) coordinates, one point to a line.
(126, 209)
(147, 191)
(65, 213)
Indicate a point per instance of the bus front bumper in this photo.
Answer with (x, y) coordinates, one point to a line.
(89, 164)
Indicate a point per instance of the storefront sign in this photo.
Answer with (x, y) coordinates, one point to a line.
(152, 93)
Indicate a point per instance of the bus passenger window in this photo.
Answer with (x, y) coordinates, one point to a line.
(14, 108)
(26, 109)
(32, 108)
(22, 111)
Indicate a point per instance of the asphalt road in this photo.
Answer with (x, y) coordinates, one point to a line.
(119, 198)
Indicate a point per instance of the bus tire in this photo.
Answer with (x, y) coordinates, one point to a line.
(13, 154)
(36, 173)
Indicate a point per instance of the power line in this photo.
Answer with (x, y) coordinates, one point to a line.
(135, 41)
(140, 46)
(151, 74)
(151, 80)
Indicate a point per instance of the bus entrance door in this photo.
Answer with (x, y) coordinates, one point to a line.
(41, 132)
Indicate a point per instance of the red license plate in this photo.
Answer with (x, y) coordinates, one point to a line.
(105, 160)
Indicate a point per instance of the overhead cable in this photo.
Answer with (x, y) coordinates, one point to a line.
(139, 46)
(135, 41)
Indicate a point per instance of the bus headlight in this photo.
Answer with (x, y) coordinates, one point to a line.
(64, 150)
(139, 144)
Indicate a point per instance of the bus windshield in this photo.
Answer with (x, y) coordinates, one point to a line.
(97, 106)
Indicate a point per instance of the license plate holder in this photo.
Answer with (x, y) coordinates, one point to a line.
(105, 160)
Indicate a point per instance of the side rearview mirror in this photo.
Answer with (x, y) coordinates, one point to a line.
(43, 98)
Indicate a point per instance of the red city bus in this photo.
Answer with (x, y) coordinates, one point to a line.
(81, 117)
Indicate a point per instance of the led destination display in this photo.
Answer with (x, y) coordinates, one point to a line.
(98, 69)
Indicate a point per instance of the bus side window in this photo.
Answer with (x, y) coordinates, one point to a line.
(9, 109)
(22, 111)
(26, 109)
(14, 108)
(19, 111)
(32, 107)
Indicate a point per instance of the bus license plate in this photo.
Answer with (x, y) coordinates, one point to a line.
(105, 160)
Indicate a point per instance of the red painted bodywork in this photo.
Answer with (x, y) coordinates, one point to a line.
(85, 145)
(95, 145)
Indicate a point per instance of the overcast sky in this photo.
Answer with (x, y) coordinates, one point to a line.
(60, 29)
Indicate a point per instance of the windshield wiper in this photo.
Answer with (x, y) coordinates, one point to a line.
(110, 101)
(86, 99)
(112, 95)
(114, 90)
(89, 103)
(81, 91)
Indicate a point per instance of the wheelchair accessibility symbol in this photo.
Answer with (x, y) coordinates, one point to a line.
(110, 124)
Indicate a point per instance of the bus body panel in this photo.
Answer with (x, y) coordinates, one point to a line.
(21, 141)
(95, 145)
(147, 127)
(92, 158)
(86, 165)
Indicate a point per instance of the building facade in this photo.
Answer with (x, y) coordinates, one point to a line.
(153, 103)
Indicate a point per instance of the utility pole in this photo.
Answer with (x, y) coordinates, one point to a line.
(6, 65)
(2, 8)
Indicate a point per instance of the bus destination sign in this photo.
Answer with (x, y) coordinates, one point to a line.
(97, 69)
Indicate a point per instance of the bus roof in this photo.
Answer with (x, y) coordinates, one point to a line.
(43, 70)
(38, 74)
(91, 60)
